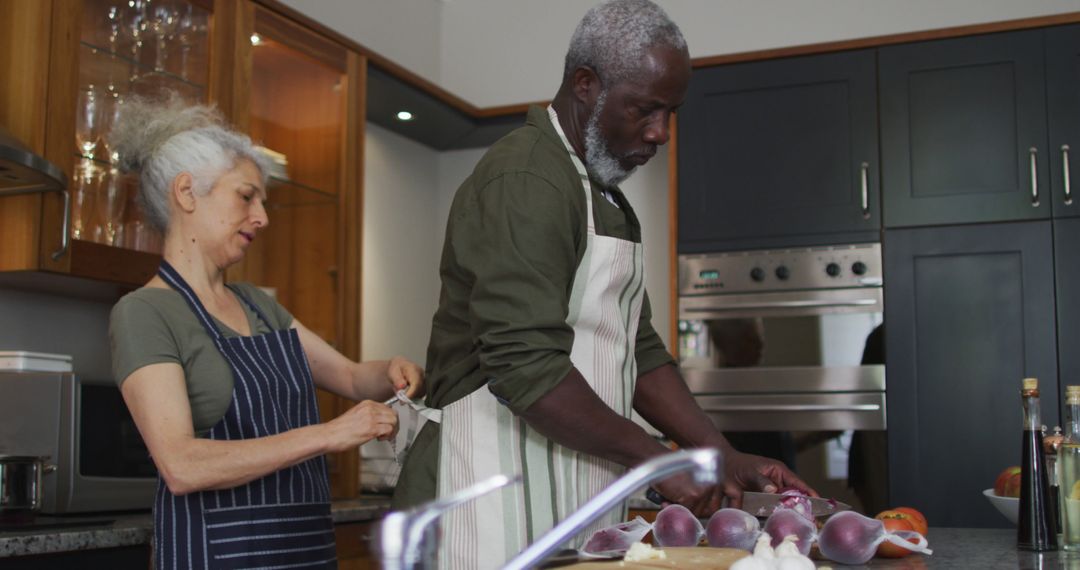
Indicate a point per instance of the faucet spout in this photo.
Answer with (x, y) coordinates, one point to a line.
(704, 463)
(407, 540)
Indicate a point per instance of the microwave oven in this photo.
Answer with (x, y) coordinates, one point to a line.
(84, 428)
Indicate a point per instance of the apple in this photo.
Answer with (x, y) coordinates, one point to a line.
(1008, 483)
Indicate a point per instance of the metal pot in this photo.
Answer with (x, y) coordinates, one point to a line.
(21, 488)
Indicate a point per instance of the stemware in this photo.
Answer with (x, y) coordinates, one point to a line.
(82, 201)
(112, 103)
(88, 118)
(161, 20)
(111, 200)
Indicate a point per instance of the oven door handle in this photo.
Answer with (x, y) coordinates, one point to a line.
(793, 408)
(784, 305)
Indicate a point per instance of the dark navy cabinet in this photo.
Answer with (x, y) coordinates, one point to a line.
(1067, 273)
(779, 153)
(970, 312)
(964, 130)
(1063, 100)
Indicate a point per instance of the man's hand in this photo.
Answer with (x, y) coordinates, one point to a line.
(746, 472)
(742, 472)
(703, 501)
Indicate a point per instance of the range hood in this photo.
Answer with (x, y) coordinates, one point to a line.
(23, 172)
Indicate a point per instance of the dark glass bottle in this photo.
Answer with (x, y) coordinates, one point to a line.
(1038, 529)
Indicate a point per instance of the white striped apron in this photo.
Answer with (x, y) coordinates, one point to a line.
(481, 437)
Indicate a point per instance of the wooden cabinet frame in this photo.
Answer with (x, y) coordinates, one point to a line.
(38, 107)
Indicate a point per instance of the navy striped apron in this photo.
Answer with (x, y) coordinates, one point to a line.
(281, 520)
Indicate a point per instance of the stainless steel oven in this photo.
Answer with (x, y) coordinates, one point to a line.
(784, 350)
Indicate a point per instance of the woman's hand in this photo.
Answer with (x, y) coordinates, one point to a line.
(363, 422)
(406, 375)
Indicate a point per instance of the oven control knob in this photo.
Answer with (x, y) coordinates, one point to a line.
(832, 269)
(757, 274)
(858, 268)
(782, 273)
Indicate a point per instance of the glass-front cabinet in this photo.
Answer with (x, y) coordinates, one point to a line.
(77, 62)
(298, 110)
(128, 48)
(299, 94)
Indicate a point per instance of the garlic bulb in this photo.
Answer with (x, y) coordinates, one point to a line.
(786, 556)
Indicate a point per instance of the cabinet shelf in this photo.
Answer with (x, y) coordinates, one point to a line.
(285, 193)
(144, 69)
(102, 262)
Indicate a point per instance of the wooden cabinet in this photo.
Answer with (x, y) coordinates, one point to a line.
(297, 92)
(98, 53)
(779, 153)
(964, 128)
(302, 99)
(1063, 102)
(354, 550)
(969, 313)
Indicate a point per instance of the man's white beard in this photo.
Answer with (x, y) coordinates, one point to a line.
(599, 160)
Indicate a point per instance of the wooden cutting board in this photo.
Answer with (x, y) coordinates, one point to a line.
(693, 557)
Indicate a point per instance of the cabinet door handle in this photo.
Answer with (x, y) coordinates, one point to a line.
(864, 180)
(1032, 153)
(64, 227)
(1065, 172)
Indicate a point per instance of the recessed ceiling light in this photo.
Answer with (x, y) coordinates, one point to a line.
(255, 39)
(404, 116)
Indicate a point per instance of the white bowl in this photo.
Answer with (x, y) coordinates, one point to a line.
(1008, 506)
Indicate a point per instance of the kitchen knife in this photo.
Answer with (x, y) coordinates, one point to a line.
(571, 556)
(762, 505)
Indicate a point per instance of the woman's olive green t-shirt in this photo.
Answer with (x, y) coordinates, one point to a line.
(151, 326)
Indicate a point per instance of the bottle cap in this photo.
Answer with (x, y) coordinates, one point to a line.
(1072, 389)
(1031, 383)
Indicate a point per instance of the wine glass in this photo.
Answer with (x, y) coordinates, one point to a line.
(161, 20)
(135, 25)
(88, 117)
(111, 200)
(189, 26)
(82, 201)
(112, 102)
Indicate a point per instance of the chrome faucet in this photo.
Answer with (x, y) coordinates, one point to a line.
(407, 540)
(706, 465)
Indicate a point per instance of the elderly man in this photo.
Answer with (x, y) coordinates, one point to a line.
(542, 345)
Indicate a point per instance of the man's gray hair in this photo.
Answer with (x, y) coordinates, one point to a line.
(161, 139)
(614, 36)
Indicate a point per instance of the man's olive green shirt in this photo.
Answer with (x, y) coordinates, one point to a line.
(515, 237)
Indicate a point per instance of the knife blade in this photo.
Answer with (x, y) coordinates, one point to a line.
(763, 504)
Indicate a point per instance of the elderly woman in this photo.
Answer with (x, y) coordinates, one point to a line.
(220, 378)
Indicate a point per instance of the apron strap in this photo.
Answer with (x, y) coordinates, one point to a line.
(254, 308)
(173, 278)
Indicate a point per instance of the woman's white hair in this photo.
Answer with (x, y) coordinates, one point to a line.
(614, 36)
(159, 139)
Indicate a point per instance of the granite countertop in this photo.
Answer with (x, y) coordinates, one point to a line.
(110, 530)
(982, 548)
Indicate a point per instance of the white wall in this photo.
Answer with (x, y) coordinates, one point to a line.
(400, 276)
(499, 52)
(405, 31)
